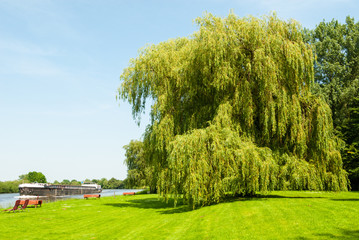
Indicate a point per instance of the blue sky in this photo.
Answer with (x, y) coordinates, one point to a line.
(60, 63)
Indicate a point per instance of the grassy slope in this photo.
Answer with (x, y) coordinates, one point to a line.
(280, 215)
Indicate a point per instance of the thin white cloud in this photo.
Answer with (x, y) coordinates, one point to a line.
(298, 5)
(38, 50)
(29, 66)
(299, 2)
(44, 18)
(33, 10)
(77, 111)
(38, 67)
(15, 46)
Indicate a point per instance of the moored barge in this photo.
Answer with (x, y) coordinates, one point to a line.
(50, 190)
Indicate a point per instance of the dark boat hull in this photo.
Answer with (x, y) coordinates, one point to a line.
(57, 190)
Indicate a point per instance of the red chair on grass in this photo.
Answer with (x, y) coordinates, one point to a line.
(24, 206)
(16, 207)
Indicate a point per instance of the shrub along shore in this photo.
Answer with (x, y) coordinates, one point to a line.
(278, 215)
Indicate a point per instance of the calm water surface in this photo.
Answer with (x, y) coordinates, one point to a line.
(7, 200)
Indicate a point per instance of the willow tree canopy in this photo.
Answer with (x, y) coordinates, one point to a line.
(232, 111)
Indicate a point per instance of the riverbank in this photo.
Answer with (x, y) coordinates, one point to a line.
(280, 215)
(7, 199)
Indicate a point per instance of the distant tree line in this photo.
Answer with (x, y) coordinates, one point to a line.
(10, 186)
(13, 186)
(113, 183)
(31, 177)
(38, 177)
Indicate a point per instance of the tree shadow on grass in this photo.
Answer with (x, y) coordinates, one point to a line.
(154, 203)
(261, 197)
(168, 207)
(343, 234)
(346, 199)
(290, 197)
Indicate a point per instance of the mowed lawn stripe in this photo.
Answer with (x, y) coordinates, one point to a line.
(280, 215)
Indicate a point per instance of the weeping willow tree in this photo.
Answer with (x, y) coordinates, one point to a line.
(232, 111)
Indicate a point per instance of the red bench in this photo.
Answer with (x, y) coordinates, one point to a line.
(32, 202)
(86, 196)
(129, 193)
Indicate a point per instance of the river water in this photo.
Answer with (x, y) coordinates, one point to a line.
(8, 199)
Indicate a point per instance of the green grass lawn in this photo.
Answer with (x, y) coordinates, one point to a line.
(279, 215)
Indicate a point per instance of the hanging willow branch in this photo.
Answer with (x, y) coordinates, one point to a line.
(233, 112)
